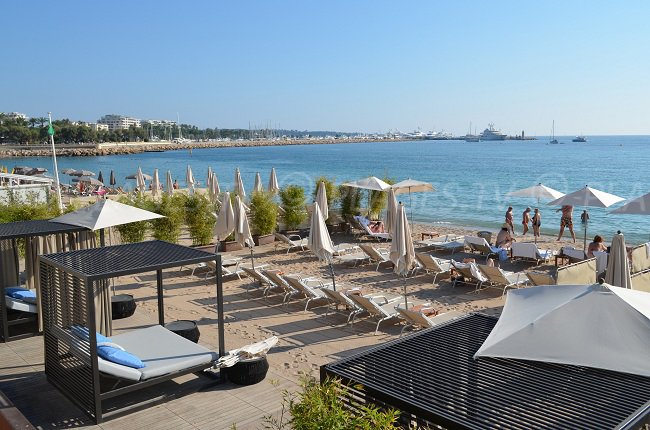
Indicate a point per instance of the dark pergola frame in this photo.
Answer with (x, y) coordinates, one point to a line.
(432, 379)
(22, 230)
(69, 282)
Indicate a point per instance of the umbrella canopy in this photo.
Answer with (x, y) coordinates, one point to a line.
(139, 179)
(638, 206)
(112, 180)
(242, 228)
(538, 192)
(169, 185)
(216, 190)
(618, 268)
(139, 172)
(321, 200)
(599, 326)
(64, 171)
(81, 173)
(239, 185)
(100, 177)
(370, 183)
(88, 180)
(402, 253)
(105, 213)
(189, 179)
(391, 212)
(587, 196)
(225, 220)
(257, 187)
(155, 183)
(412, 186)
(319, 241)
(273, 182)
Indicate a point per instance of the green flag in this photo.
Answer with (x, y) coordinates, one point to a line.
(50, 130)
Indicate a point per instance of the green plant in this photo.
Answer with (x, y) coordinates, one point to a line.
(350, 199)
(332, 192)
(172, 208)
(199, 219)
(319, 406)
(293, 203)
(134, 231)
(379, 199)
(264, 213)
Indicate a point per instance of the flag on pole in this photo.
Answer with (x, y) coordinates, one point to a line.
(50, 129)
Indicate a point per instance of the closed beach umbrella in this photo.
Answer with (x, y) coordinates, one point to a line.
(391, 212)
(242, 228)
(189, 179)
(638, 206)
(538, 192)
(225, 220)
(100, 177)
(155, 183)
(618, 268)
(207, 183)
(140, 181)
(112, 180)
(214, 187)
(258, 183)
(402, 253)
(239, 185)
(273, 182)
(319, 241)
(587, 197)
(169, 183)
(321, 200)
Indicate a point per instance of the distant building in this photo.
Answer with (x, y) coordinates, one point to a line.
(15, 115)
(163, 122)
(119, 122)
(97, 127)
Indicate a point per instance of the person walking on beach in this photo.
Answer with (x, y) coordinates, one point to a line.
(525, 219)
(537, 222)
(509, 219)
(566, 221)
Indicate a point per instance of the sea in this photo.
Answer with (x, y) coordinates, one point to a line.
(472, 180)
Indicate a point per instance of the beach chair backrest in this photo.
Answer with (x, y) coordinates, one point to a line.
(477, 244)
(468, 270)
(339, 297)
(539, 278)
(428, 262)
(640, 258)
(525, 250)
(296, 283)
(255, 274)
(641, 281)
(368, 305)
(581, 273)
(274, 276)
(283, 238)
(371, 252)
(414, 317)
(494, 274)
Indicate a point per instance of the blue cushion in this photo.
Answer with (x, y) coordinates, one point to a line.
(23, 295)
(12, 290)
(116, 355)
(82, 333)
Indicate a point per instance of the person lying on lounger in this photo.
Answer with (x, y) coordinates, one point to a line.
(374, 226)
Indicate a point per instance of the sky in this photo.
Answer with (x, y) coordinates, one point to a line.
(369, 66)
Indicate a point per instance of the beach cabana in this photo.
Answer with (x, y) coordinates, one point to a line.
(69, 283)
(39, 236)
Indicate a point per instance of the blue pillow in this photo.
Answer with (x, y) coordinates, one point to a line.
(12, 290)
(116, 355)
(25, 295)
(82, 333)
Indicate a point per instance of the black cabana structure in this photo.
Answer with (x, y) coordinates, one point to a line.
(16, 324)
(432, 378)
(69, 282)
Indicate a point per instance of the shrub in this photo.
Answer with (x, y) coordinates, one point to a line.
(172, 208)
(332, 194)
(199, 219)
(293, 203)
(135, 231)
(350, 199)
(264, 213)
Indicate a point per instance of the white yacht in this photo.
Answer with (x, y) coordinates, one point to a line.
(492, 133)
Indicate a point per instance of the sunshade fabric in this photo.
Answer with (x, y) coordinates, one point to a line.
(155, 183)
(370, 183)
(214, 184)
(588, 197)
(273, 186)
(242, 229)
(412, 186)
(402, 253)
(226, 219)
(140, 181)
(321, 200)
(239, 185)
(257, 187)
(169, 185)
(618, 268)
(391, 212)
(598, 326)
(638, 206)
(538, 191)
(135, 175)
(112, 180)
(189, 179)
(105, 213)
(319, 241)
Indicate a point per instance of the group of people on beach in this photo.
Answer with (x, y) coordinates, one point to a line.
(566, 221)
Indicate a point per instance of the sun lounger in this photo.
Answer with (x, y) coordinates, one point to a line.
(440, 242)
(530, 251)
(501, 279)
(433, 265)
(419, 319)
(640, 258)
(380, 308)
(366, 232)
(287, 290)
(581, 273)
(573, 254)
(540, 278)
(267, 285)
(311, 288)
(469, 274)
(340, 297)
(375, 255)
(641, 281)
(480, 245)
(344, 249)
(292, 241)
(356, 258)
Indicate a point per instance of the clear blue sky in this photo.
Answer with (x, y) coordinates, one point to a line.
(336, 65)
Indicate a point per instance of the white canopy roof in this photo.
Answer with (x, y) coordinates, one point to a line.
(105, 213)
(598, 326)
(588, 196)
(638, 206)
(370, 183)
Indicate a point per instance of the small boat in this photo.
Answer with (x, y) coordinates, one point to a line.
(553, 139)
(579, 139)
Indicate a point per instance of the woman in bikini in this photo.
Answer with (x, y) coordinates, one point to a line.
(537, 222)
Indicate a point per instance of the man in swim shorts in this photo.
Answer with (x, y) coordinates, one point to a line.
(566, 221)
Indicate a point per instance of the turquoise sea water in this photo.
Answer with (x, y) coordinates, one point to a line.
(472, 179)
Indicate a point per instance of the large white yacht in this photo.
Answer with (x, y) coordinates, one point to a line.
(492, 133)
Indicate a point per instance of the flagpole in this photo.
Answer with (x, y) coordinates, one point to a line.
(50, 131)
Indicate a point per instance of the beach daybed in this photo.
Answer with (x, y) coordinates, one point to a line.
(416, 318)
(292, 241)
(530, 251)
(432, 265)
(70, 283)
(501, 279)
(376, 255)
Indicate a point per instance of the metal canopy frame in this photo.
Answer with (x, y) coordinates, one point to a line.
(69, 283)
(13, 231)
(432, 378)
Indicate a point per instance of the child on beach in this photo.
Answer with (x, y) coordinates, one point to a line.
(537, 222)
(525, 220)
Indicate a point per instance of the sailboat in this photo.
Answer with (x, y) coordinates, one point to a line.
(553, 139)
(469, 137)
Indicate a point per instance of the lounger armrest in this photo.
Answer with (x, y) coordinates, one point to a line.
(294, 236)
(385, 300)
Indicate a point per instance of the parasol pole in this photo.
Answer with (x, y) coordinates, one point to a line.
(329, 260)
(50, 131)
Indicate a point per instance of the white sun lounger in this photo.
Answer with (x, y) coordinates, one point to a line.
(292, 241)
(529, 251)
(419, 319)
(375, 255)
(379, 307)
(432, 265)
(311, 288)
(502, 279)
